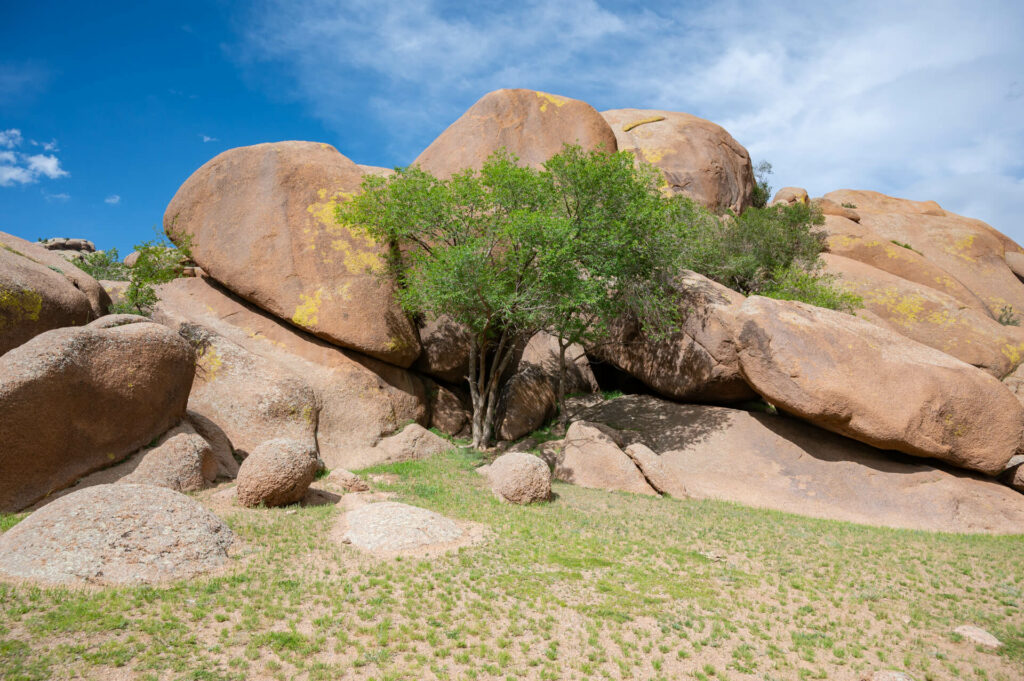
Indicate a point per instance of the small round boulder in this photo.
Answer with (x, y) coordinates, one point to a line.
(520, 478)
(277, 473)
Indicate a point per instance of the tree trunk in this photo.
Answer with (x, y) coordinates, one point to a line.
(484, 386)
(563, 417)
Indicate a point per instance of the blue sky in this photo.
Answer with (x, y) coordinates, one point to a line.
(115, 104)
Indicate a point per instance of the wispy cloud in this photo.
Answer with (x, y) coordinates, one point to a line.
(113, 199)
(10, 138)
(869, 94)
(20, 168)
(207, 138)
(57, 198)
(22, 81)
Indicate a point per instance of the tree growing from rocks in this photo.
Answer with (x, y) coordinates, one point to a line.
(509, 250)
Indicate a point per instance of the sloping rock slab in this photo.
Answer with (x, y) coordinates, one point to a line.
(116, 534)
(390, 528)
(776, 462)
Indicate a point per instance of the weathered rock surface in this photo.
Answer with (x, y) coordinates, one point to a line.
(412, 442)
(520, 478)
(220, 444)
(115, 289)
(699, 363)
(529, 398)
(591, 457)
(389, 527)
(969, 250)
(448, 412)
(101, 393)
(182, 460)
(871, 384)
(532, 125)
(361, 399)
(778, 462)
(276, 473)
(857, 242)
(830, 207)
(445, 350)
(261, 220)
(347, 480)
(252, 399)
(34, 299)
(697, 157)
(930, 317)
(98, 299)
(116, 534)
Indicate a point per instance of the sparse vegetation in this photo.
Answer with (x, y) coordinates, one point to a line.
(847, 204)
(159, 262)
(906, 246)
(762, 189)
(1007, 317)
(592, 585)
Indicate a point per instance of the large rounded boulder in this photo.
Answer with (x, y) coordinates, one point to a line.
(99, 300)
(520, 478)
(871, 384)
(277, 473)
(75, 400)
(116, 535)
(260, 220)
(532, 125)
(34, 299)
(696, 157)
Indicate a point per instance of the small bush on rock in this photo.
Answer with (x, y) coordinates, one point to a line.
(159, 262)
(105, 265)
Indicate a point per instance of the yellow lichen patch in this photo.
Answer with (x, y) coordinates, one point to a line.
(899, 308)
(654, 155)
(307, 313)
(357, 259)
(961, 246)
(210, 363)
(324, 210)
(1014, 353)
(19, 305)
(841, 241)
(942, 318)
(553, 99)
(652, 119)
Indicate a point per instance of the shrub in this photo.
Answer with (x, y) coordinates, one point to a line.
(1007, 317)
(816, 289)
(762, 190)
(159, 262)
(104, 265)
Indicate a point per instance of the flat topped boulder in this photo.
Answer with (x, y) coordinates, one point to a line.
(261, 222)
(532, 125)
(697, 158)
(389, 528)
(116, 534)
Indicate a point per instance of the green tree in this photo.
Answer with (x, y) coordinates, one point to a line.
(159, 262)
(509, 250)
(104, 265)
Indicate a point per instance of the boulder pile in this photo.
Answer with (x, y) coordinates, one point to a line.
(287, 352)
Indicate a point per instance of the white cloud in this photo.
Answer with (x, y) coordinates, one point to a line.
(207, 138)
(59, 198)
(113, 199)
(47, 146)
(19, 168)
(870, 94)
(46, 165)
(10, 138)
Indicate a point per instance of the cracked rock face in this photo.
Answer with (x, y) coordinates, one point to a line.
(116, 534)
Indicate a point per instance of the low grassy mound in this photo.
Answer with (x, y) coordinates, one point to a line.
(591, 585)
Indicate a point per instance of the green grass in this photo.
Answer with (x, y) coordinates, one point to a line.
(592, 585)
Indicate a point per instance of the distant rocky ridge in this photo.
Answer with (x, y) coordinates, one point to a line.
(289, 335)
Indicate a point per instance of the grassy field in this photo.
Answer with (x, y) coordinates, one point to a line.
(592, 585)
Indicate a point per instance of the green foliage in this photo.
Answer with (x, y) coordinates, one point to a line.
(847, 204)
(906, 246)
(762, 190)
(822, 290)
(1007, 317)
(104, 265)
(511, 250)
(159, 262)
